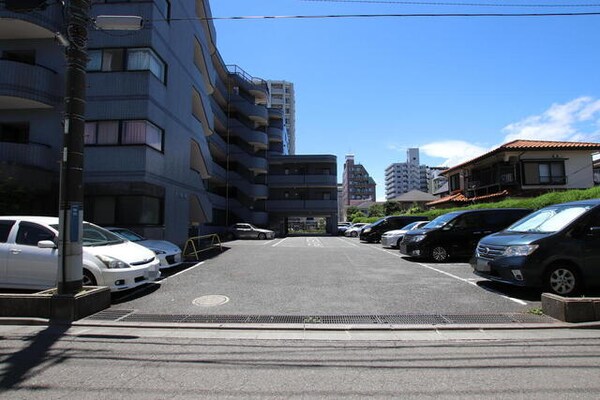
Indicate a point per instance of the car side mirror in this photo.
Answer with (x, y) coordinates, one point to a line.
(47, 244)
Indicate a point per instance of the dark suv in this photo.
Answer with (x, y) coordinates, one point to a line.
(373, 232)
(456, 234)
(557, 248)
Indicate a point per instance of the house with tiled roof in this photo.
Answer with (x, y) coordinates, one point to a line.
(520, 168)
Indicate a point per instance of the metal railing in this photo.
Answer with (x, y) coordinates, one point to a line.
(198, 244)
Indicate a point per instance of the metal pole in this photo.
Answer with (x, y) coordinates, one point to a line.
(71, 174)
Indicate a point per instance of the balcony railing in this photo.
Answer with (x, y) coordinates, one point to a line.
(32, 82)
(29, 154)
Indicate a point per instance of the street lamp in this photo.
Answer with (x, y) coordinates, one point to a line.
(70, 271)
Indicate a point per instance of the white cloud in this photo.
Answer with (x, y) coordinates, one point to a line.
(577, 120)
(453, 151)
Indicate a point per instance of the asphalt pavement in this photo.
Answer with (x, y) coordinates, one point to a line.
(323, 276)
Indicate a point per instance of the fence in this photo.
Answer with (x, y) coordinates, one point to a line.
(198, 244)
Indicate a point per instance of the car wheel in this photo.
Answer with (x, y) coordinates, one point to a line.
(354, 234)
(562, 280)
(262, 236)
(439, 254)
(88, 279)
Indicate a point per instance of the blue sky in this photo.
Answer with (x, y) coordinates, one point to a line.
(454, 87)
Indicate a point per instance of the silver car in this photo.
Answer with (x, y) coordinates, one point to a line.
(249, 231)
(168, 253)
(393, 238)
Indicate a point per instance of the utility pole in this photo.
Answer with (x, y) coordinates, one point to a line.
(70, 248)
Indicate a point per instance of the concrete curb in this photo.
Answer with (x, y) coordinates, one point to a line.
(571, 309)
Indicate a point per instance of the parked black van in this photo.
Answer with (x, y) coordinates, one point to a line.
(456, 233)
(556, 248)
(373, 232)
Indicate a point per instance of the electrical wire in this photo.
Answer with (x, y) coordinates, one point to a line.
(411, 15)
(426, 3)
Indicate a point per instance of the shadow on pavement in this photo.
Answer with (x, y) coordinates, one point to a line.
(26, 362)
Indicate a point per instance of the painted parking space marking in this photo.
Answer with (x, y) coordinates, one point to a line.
(314, 242)
(467, 281)
(278, 243)
(182, 271)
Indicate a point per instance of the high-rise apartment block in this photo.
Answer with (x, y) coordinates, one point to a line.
(357, 186)
(403, 177)
(282, 97)
(177, 143)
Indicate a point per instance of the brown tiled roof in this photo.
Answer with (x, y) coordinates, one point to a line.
(520, 144)
(460, 198)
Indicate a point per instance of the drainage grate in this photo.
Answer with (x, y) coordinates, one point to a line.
(399, 319)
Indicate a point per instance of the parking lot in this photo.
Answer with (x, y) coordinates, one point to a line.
(323, 276)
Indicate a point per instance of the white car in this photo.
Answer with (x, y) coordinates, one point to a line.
(393, 238)
(354, 229)
(168, 253)
(29, 256)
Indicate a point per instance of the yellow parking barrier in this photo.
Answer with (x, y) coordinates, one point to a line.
(193, 246)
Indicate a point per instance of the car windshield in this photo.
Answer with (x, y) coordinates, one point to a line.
(410, 226)
(548, 220)
(127, 234)
(96, 236)
(440, 221)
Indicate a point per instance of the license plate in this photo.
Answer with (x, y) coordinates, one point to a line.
(483, 266)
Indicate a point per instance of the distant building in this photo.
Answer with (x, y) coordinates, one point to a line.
(282, 96)
(403, 177)
(520, 168)
(357, 185)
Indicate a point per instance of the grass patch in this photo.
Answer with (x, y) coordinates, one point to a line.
(534, 203)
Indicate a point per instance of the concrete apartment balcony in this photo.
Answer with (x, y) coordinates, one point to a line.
(26, 86)
(259, 165)
(29, 155)
(254, 191)
(275, 113)
(255, 112)
(303, 180)
(258, 139)
(31, 25)
(255, 86)
(217, 173)
(275, 134)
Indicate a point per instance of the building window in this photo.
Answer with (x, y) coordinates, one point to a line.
(125, 210)
(134, 132)
(544, 173)
(14, 132)
(136, 59)
(454, 181)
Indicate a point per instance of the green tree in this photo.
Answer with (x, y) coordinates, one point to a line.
(376, 210)
(392, 208)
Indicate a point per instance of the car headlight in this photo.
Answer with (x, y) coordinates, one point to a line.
(366, 230)
(521, 250)
(418, 238)
(111, 262)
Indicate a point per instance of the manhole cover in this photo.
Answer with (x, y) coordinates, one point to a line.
(211, 300)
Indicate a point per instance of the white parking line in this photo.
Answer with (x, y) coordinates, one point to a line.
(468, 281)
(348, 242)
(278, 243)
(182, 271)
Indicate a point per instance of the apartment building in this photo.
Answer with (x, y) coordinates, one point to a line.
(404, 177)
(177, 142)
(282, 97)
(357, 185)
